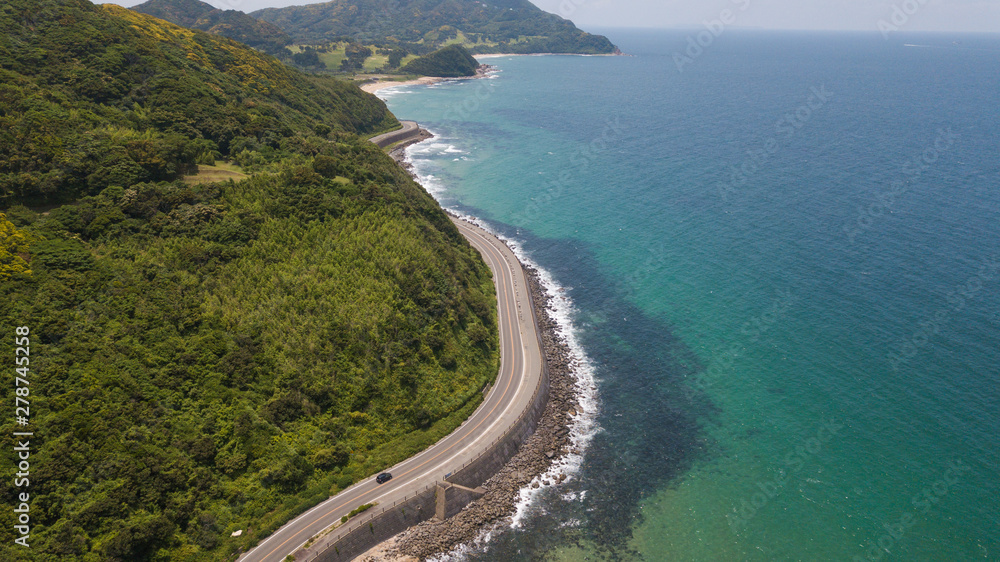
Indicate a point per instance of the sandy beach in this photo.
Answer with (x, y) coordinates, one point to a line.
(498, 55)
(373, 87)
(482, 72)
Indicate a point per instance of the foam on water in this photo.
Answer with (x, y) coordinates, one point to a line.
(561, 309)
(478, 544)
(392, 91)
(416, 157)
(584, 425)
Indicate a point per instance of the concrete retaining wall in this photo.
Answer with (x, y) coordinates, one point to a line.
(451, 498)
(368, 529)
(405, 133)
(474, 473)
(491, 460)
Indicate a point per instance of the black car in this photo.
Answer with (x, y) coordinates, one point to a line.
(383, 478)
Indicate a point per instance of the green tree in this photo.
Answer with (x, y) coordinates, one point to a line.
(307, 59)
(356, 56)
(396, 57)
(215, 355)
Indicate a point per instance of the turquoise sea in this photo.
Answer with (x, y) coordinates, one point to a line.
(782, 263)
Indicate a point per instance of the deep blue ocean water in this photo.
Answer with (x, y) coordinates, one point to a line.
(783, 263)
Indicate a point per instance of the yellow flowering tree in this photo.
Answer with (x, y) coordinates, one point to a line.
(13, 244)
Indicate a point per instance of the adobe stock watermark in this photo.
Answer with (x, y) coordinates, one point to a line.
(696, 44)
(580, 161)
(923, 502)
(628, 286)
(751, 332)
(956, 301)
(569, 7)
(900, 16)
(793, 462)
(786, 127)
(655, 258)
(24, 374)
(910, 172)
(471, 103)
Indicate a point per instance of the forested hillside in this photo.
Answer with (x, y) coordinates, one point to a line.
(107, 96)
(207, 358)
(421, 26)
(453, 61)
(233, 24)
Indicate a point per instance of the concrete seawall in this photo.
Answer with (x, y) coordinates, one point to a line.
(479, 470)
(378, 524)
(410, 130)
(460, 488)
(551, 439)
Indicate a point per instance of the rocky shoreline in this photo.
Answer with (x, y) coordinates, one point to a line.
(398, 152)
(548, 443)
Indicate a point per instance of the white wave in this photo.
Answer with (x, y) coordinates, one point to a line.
(432, 148)
(561, 309)
(478, 544)
(584, 425)
(431, 183)
(390, 92)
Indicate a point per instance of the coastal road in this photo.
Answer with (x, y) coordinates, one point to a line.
(510, 395)
(410, 129)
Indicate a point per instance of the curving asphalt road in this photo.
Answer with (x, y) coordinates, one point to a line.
(510, 395)
(410, 129)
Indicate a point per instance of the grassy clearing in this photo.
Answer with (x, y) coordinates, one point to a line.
(471, 43)
(335, 54)
(221, 171)
(333, 58)
(375, 62)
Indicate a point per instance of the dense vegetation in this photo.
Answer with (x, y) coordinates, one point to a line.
(227, 23)
(421, 26)
(211, 357)
(453, 61)
(102, 100)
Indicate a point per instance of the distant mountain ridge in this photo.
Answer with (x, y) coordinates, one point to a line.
(510, 26)
(228, 23)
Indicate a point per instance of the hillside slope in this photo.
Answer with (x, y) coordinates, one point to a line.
(508, 26)
(453, 61)
(228, 23)
(208, 358)
(72, 89)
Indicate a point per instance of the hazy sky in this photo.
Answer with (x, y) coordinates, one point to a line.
(910, 15)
